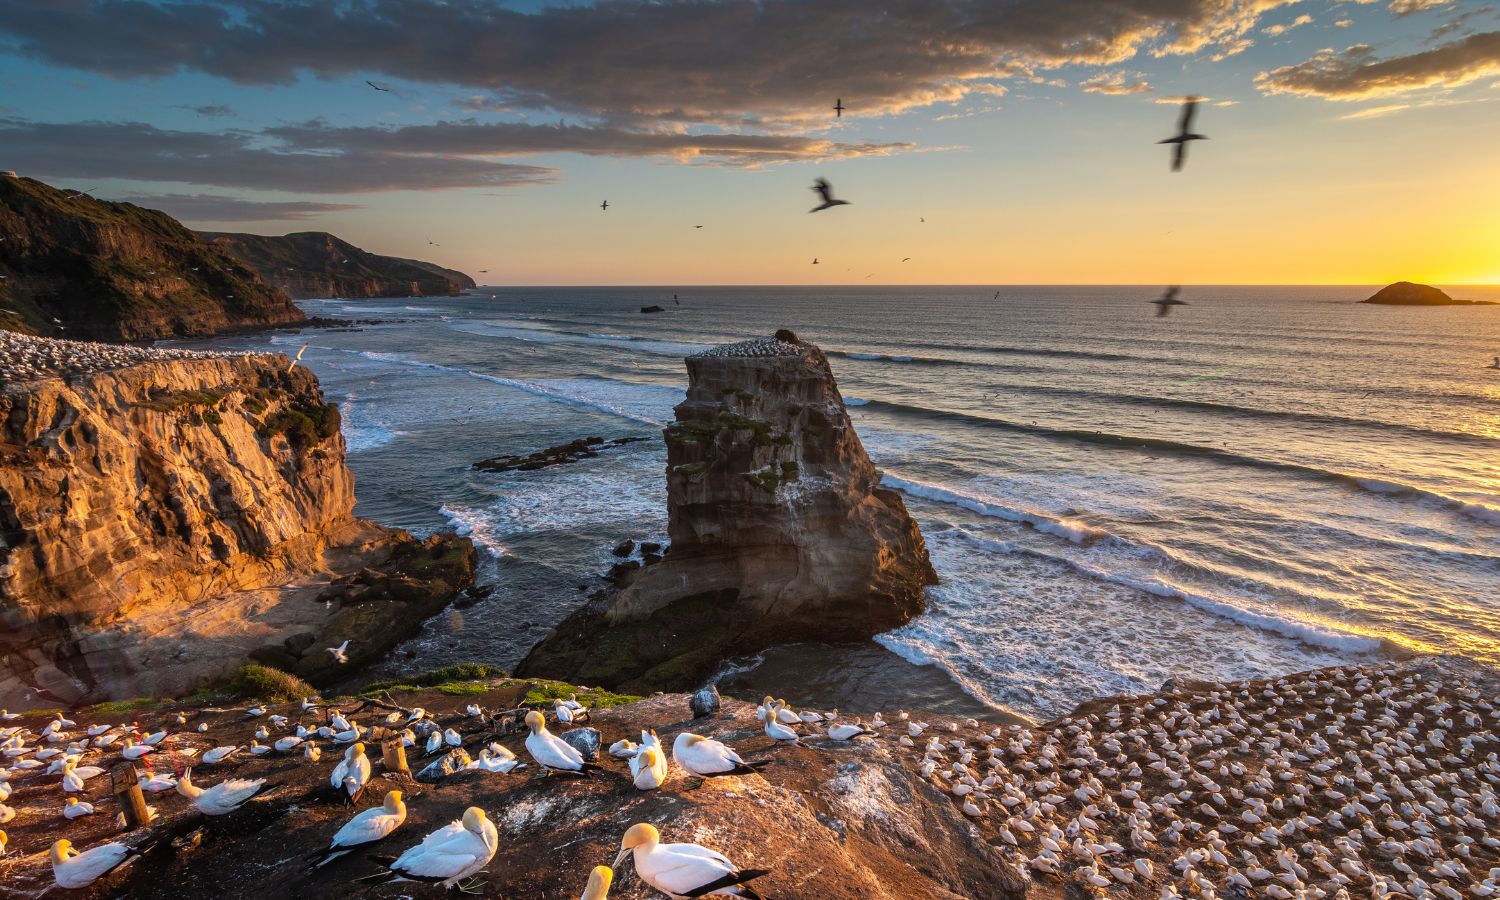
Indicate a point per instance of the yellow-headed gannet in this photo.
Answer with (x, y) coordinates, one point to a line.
(311, 752)
(551, 752)
(598, 886)
(648, 768)
(9, 716)
(491, 761)
(563, 712)
(74, 808)
(75, 776)
(706, 757)
(776, 731)
(219, 754)
(256, 748)
(224, 797)
(785, 715)
(288, 743)
(73, 869)
(446, 856)
(434, 742)
(683, 870)
(453, 738)
(161, 781)
(474, 710)
(417, 714)
(355, 765)
(367, 828)
(847, 732)
(133, 751)
(623, 749)
(255, 711)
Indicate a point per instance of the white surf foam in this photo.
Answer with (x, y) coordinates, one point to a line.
(1068, 529)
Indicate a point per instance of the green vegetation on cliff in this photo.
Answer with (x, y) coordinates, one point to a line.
(72, 266)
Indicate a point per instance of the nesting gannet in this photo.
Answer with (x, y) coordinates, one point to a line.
(311, 752)
(288, 743)
(707, 758)
(776, 731)
(155, 740)
(446, 856)
(6, 814)
(255, 711)
(434, 742)
(355, 766)
(598, 886)
(551, 752)
(491, 761)
(74, 776)
(417, 714)
(453, 738)
(133, 751)
(257, 749)
(4, 839)
(262, 733)
(474, 711)
(648, 768)
(219, 754)
(161, 781)
(202, 727)
(369, 827)
(683, 870)
(74, 808)
(309, 703)
(563, 712)
(72, 869)
(224, 797)
(9, 716)
(623, 749)
(847, 732)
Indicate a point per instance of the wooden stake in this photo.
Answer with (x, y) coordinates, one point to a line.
(394, 755)
(127, 787)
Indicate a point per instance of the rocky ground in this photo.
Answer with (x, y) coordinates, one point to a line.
(1354, 782)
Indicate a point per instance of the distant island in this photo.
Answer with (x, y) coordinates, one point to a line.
(1406, 293)
(317, 264)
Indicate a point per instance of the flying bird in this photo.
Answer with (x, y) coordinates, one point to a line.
(1184, 133)
(815, 260)
(823, 189)
(838, 108)
(340, 653)
(907, 259)
(1168, 300)
(604, 205)
(377, 87)
(297, 358)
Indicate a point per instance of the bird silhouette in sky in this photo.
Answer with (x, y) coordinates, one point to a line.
(1184, 133)
(823, 189)
(604, 205)
(815, 260)
(908, 259)
(838, 108)
(1167, 300)
(697, 226)
(377, 87)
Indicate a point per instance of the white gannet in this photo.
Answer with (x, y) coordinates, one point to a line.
(202, 727)
(279, 721)
(224, 797)
(706, 757)
(262, 733)
(256, 748)
(776, 731)
(309, 703)
(551, 752)
(288, 743)
(219, 754)
(355, 766)
(369, 827)
(490, 761)
(340, 654)
(6, 814)
(74, 776)
(648, 768)
(598, 886)
(453, 738)
(847, 732)
(563, 712)
(155, 740)
(311, 752)
(683, 870)
(785, 715)
(73, 869)
(474, 710)
(9, 716)
(434, 742)
(417, 714)
(74, 808)
(446, 856)
(96, 730)
(133, 751)
(161, 781)
(255, 711)
(623, 749)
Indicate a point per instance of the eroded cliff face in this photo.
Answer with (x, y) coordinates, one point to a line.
(318, 264)
(780, 532)
(160, 522)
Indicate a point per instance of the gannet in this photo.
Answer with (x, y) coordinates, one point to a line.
(255, 711)
(134, 751)
(706, 757)
(648, 768)
(9, 716)
(623, 749)
(155, 739)
(785, 715)
(74, 776)
(256, 748)
(309, 703)
(434, 742)
(72, 869)
(490, 761)
(779, 732)
(356, 766)
(551, 752)
(340, 654)
(453, 738)
(4, 839)
(96, 730)
(417, 714)
(311, 752)
(6, 814)
(161, 781)
(202, 727)
(222, 798)
(474, 710)
(683, 870)
(847, 732)
(290, 742)
(446, 856)
(219, 754)
(262, 733)
(367, 828)
(74, 808)
(563, 712)
(598, 886)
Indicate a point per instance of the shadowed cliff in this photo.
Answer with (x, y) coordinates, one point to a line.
(317, 264)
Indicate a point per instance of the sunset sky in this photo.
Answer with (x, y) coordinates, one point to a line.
(1351, 142)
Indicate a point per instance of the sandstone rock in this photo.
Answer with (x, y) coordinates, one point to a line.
(779, 530)
(318, 264)
(450, 763)
(704, 702)
(585, 740)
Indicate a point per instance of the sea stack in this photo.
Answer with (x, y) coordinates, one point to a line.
(780, 532)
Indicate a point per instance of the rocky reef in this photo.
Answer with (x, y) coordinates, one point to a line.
(72, 266)
(780, 532)
(318, 264)
(1406, 293)
(162, 520)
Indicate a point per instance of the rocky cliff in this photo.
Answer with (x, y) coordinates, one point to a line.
(780, 532)
(164, 515)
(72, 266)
(317, 264)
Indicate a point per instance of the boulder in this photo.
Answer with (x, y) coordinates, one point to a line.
(585, 740)
(704, 702)
(450, 763)
(780, 532)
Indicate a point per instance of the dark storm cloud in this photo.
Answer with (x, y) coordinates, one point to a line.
(221, 208)
(1357, 73)
(237, 159)
(720, 60)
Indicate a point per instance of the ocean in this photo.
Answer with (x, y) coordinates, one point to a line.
(1270, 479)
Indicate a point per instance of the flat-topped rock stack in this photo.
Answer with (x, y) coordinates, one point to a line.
(780, 532)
